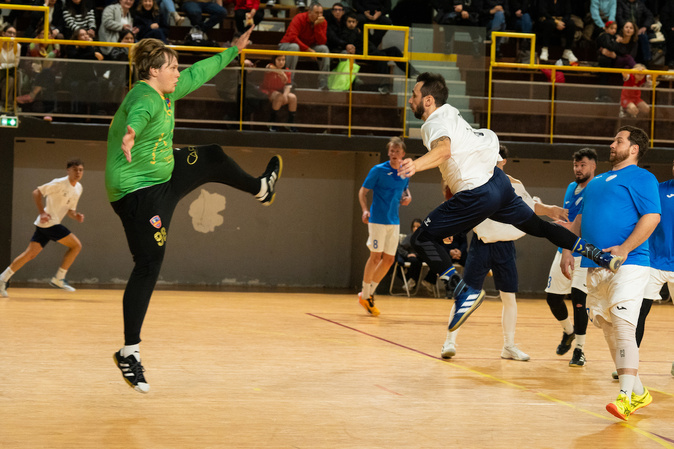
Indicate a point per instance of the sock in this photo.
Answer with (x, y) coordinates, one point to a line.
(638, 388)
(6, 275)
(580, 341)
(366, 290)
(627, 382)
(567, 326)
(61, 273)
(451, 336)
(263, 188)
(127, 350)
(508, 318)
(373, 287)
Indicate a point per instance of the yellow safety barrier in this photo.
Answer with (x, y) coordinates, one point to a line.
(554, 68)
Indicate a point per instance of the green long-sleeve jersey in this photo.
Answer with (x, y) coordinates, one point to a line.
(151, 115)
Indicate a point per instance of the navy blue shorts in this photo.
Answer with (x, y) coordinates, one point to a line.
(44, 235)
(499, 257)
(496, 199)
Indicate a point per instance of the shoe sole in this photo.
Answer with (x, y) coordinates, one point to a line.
(615, 263)
(465, 316)
(278, 176)
(612, 409)
(61, 288)
(515, 359)
(576, 365)
(448, 354)
(135, 387)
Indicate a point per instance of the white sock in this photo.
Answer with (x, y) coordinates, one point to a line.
(366, 290)
(131, 349)
(61, 273)
(373, 287)
(580, 341)
(567, 326)
(638, 386)
(508, 318)
(6, 275)
(451, 336)
(627, 382)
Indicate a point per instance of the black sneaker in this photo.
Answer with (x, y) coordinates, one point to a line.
(132, 370)
(565, 345)
(270, 176)
(578, 358)
(604, 260)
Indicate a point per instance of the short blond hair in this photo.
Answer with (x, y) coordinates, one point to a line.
(150, 54)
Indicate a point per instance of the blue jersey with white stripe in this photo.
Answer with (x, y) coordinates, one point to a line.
(573, 202)
(613, 204)
(387, 190)
(661, 241)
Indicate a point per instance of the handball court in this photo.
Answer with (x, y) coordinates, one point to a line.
(305, 370)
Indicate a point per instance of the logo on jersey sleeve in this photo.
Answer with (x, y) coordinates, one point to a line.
(156, 221)
(610, 178)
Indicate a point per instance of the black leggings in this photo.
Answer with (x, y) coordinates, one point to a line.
(146, 215)
(558, 309)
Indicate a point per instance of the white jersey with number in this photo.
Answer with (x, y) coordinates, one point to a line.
(61, 198)
(474, 151)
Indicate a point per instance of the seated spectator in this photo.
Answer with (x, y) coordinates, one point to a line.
(277, 84)
(168, 10)
(10, 54)
(43, 79)
(520, 12)
(116, 18)
(308, 32)
(194, 10)
(118, 78)
(353, 37)
(81, 79)
(408, 12)
(460, 13)
(150, 22)
(667, 19)
(76, 15)
(608, 49)
(335, 19)
(631, 103)
(376, 12)
(627, 46)
(495, 14)
(247, 13)
(635, 11)
(554, 19)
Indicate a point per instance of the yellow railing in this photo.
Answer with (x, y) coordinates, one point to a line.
(554, 68)
(405, 58)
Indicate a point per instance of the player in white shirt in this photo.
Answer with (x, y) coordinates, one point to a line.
(62, 195)
(467, 160)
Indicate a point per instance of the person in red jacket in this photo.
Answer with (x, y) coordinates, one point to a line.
(277, 84)
(308, 31)
(247, 13)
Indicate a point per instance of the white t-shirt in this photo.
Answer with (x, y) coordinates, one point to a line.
(474, 151)
(490, 231)
(61, 198)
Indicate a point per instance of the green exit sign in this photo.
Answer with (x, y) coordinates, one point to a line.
(9, 121)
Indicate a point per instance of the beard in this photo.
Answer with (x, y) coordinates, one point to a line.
(580, 179)
(419, 111)
(617, 157)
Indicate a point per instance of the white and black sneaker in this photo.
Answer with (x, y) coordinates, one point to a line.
(132, 370)
(271, 2)
(301, 4)
(62, 284)
(3, 289)
(269, 178)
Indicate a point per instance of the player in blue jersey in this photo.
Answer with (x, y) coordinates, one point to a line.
(389, 191)
(584, 165)
(626, 198)
(661, 244)
(467, 160)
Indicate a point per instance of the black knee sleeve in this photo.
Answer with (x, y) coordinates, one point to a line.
(580, 318)
(643, 314)
(557, 306)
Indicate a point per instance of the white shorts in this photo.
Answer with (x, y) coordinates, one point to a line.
(558, 284)
(383, 238)
(656, 281)
(619, 294)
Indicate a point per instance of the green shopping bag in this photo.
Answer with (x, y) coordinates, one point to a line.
(340, 79)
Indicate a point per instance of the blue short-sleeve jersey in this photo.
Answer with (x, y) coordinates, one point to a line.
(573, 202)
(387, 190)
(613, 204)
(661, 242)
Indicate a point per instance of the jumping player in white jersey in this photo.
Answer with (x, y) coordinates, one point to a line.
(467, 160)
(62, 195)
(584, 166)
(627, 198)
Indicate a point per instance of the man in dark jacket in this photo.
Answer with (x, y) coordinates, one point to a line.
(373, 11)
(336, 23)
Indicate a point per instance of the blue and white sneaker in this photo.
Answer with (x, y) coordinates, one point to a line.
(467, 300)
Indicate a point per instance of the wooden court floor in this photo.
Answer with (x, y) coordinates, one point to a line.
(282, 370)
